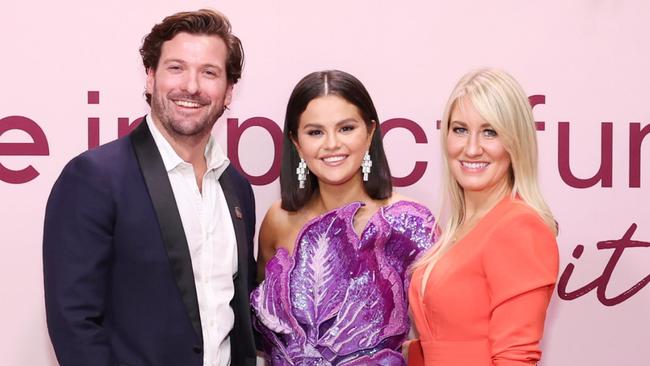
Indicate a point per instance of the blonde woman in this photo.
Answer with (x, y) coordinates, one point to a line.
(480, 296)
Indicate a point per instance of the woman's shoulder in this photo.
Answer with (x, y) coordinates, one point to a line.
(276, 216)
(413, 229)
(281, 227)
(408, 216)
(515, 213)
(522, 245)
(516, 224)
(277, 224)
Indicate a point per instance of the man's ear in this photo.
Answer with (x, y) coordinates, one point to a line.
(228, 97)
(151, 73)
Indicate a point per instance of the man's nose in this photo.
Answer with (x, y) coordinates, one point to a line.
(191, 83)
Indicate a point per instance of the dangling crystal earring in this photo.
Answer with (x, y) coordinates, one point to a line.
(365, 166)
(302, 172)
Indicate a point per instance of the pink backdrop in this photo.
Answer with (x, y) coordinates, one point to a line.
(585, 61)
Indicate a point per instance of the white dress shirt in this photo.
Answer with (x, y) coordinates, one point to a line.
(211, 240)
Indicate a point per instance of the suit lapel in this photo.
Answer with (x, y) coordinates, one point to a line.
(236, 215)
(171, 226)
(242, 341)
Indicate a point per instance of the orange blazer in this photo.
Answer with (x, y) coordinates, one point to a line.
(486, 298)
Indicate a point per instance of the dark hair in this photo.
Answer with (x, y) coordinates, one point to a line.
(203, 22)
(346, 86)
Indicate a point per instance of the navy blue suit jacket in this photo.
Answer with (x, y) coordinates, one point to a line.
(119, 285)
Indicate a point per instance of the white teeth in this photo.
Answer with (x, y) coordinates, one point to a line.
(187, 104)
(333, 159)
(472, 165)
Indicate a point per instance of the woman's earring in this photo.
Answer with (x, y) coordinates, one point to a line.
(366, 164)
(302, 172)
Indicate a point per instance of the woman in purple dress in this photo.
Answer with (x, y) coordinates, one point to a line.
(334, 251)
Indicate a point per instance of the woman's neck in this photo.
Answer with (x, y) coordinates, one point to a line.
(478, 203)
(330, 196)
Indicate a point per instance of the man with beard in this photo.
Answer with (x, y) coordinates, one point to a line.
(148, 240)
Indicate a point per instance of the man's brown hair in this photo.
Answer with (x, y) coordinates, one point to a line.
(202, 22)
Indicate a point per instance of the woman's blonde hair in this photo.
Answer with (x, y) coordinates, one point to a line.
(501, 101)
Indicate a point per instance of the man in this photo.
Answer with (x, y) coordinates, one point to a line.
(148, 240)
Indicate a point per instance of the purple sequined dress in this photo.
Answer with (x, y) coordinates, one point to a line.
(341, 299)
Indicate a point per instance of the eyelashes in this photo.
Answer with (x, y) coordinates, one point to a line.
(319, 132)
(487, 132)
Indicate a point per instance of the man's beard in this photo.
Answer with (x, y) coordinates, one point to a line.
(162, 107)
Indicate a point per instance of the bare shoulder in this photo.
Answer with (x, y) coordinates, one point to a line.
(280, 227)
(272, 224)
(273, 213)
(268, 238)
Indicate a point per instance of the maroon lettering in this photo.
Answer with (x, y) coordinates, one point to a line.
(93, 97)
(420, 138)
(636, 139)
(93, 132)
(535, 100)
(600, 283)
(93, 122)
(124, 127)
(37, 147)
(604, 174)
(235, 131)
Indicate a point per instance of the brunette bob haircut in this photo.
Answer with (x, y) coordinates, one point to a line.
(200, 22)
(346, 86)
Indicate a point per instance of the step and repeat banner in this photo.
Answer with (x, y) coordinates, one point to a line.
(72, 78)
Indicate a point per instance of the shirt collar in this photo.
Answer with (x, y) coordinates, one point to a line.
(215, 157)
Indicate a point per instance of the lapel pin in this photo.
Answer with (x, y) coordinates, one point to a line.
(238, 213)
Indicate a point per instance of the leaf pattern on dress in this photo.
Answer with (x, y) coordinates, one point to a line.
(270, 302)
(341, 299)
(267, 299)
(363, 315)
(317, 285)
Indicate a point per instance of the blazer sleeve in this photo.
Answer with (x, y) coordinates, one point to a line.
(77, 241)
(521, 266)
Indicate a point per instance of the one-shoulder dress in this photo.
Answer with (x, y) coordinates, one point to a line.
(341, 298)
